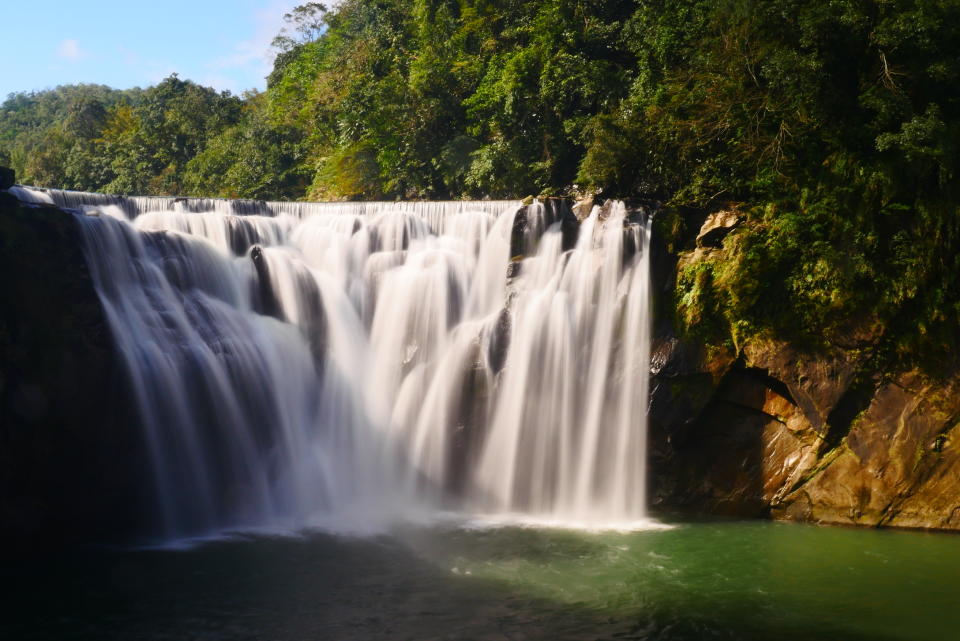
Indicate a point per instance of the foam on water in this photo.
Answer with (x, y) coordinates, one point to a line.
(353, 365)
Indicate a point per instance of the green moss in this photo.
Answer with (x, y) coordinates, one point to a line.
(670, 225)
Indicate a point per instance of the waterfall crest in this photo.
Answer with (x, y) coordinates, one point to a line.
(301, 364)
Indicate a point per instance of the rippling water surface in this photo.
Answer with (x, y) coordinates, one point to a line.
(727, 580)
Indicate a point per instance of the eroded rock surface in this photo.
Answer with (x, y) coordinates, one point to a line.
(897, 466)
(797, 440)
(767, 428)
(716, 227)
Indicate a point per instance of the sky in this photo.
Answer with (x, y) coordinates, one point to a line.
(220, 43)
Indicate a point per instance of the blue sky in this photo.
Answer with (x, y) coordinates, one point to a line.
(221, 43)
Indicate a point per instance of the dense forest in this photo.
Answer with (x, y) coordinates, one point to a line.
(833, 127)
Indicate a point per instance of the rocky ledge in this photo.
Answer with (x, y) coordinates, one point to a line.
(764, 430)
(772, 430)
(69, 459)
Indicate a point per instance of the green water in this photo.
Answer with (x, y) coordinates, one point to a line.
(753, 580)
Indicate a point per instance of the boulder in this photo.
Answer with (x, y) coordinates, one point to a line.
(716, 227)
(583, 207)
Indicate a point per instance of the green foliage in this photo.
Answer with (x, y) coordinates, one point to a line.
(90, 137)
(254, 158)
(47, 137)
(838, 116)
(834, 125)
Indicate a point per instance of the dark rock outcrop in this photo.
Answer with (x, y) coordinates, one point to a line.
(527, 227)
(569, 224)
(518, 234)
(70, 459)
(7, 178)
(265, 300)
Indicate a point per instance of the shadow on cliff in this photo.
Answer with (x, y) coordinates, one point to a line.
(705, 451)
(70, 453)
(736, 432)
(707, 408)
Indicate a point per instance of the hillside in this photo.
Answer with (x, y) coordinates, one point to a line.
(830, 128)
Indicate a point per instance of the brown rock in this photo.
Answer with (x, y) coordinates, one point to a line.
(743, 451)
(896, 467)
(816, 383)
(800, 435)
(716, 227)
(583, 207)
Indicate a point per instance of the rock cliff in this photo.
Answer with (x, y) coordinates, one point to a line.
(767, 428)
(69, 459)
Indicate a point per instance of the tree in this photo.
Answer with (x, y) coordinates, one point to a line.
(305, 23)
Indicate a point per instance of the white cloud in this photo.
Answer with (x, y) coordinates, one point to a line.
(70, 51)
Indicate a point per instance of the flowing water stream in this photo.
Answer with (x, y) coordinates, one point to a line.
(348, 365)
(427, 375)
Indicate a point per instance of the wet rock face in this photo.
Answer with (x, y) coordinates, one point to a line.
(499, 342)
(803, 437)
(684, 380)
(518, 232)
(898, 465)
(772, 430)
(569, 225)
(738, 451)
(557, 210)
(265, 299)
(70, 456)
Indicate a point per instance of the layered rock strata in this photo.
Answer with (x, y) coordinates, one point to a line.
(767, 429)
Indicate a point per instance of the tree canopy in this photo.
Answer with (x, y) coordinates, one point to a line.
(832, 126)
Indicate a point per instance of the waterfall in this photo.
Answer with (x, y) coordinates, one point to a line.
(304, 364)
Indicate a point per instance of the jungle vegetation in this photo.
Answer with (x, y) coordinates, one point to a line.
(832, 126)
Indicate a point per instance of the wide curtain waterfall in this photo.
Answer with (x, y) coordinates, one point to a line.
(305, 364)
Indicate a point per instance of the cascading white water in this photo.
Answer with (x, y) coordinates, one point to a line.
(568, 429)
(315, 363)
